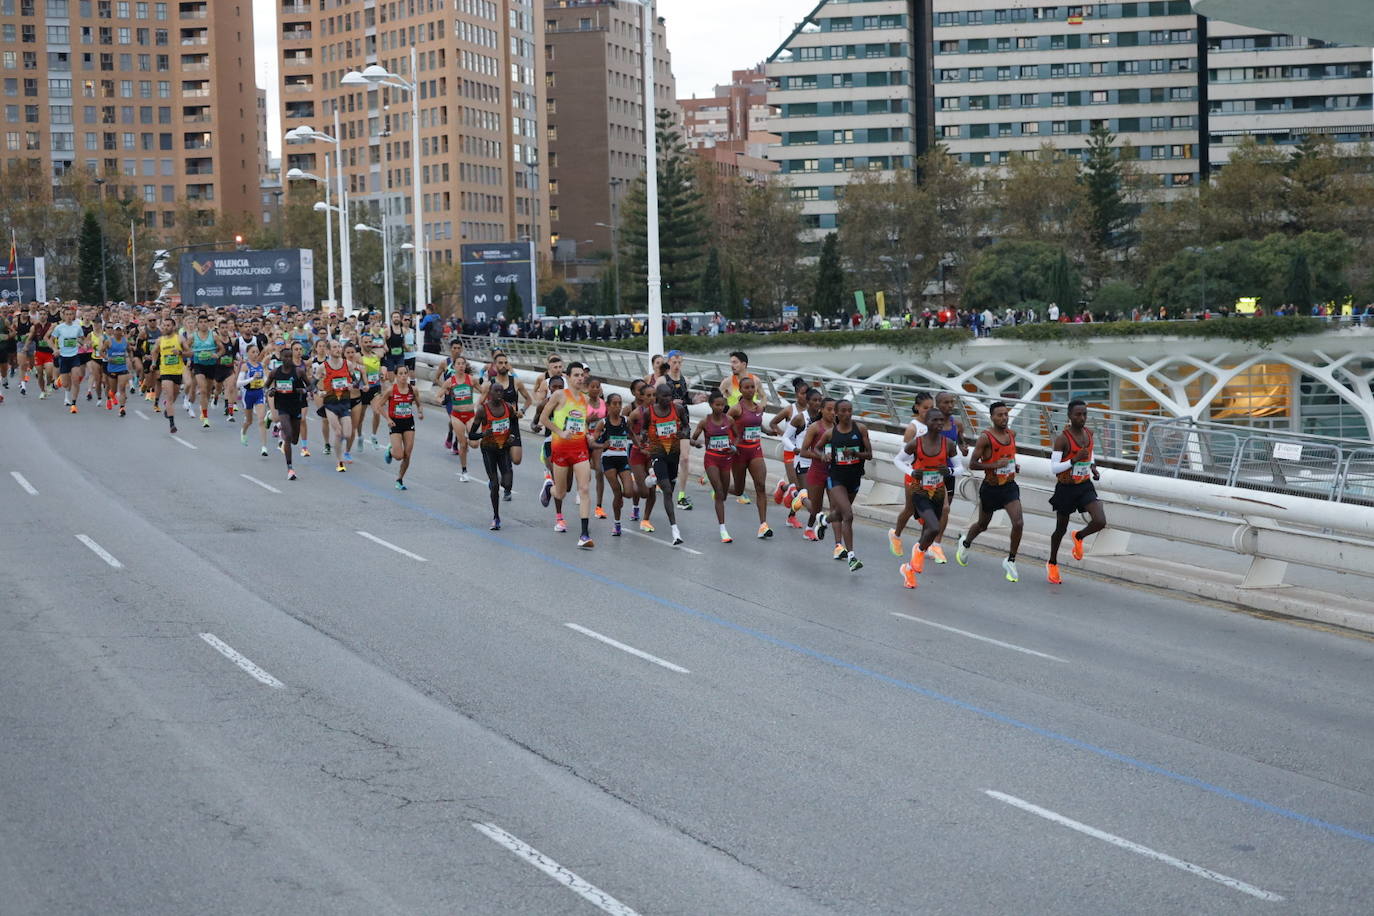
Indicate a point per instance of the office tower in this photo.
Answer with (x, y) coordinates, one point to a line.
(155, 97)
(594, 69)
(480, 114)
(852, 87)
(730, 128)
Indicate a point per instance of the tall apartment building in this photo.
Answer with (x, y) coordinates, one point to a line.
(852, 88)
(594, 70)
(729, 129)
(159, 96)
(481, 103)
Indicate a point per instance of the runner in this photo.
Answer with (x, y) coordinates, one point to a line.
(205, 351)
(95, 365)
(371, 382)
(747, 417)
(995, 455)
(641, 396)
(614, 443)
(491, 428)
(335, 381)
(565, 416)
(287, 386)
(40, 329)
(252, 381)
(670, 373)
(817, 472)
(847, 445)
(395, 346)
(954, 431)
(226, 376)
(114, 356)
(403, 405)
(717, 432)
(512, 391)
(1072, 462)
(9, 349)
(916, 427)
(171, 362)
(460, 390)
(596, 417)
(788, 482)
(659, 431)
(930, 465)
(69, 337)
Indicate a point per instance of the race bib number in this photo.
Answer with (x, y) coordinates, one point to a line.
(171, 361)
(226, 360)
(718, 443)
(338, 383)
(1082, 470)
(666, 429)
(752, 434)
(373, 378)
(847, 454)
(285, 386)
(619, 443)
(932, 480)
(116, 363)
(574, 424)
(396, 351)
(500, 427)
(403, 409)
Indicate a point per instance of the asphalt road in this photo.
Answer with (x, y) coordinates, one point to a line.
(262, 709)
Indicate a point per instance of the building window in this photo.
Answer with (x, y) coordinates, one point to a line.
(1100, 39)
(1030, 127)
(950, 131)
(1098, 97)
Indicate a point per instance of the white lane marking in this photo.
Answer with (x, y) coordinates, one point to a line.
(142, 414)
(660, 541)
(1145, 851)
(266, 486)
(100, 551)
(986, 639)
(19, 479)
(630, 649)
(586, 890)
(228, 652)
(183, 442)
(390, 546)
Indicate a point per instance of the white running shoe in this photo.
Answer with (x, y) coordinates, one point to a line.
(1010, 566)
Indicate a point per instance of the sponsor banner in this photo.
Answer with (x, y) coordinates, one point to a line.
(270, 279)
(28, 283)
(490, 270)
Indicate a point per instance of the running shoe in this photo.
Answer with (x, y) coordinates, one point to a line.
(205, 422)
(243, 437)
(646, 527)
(894, 542)
(347, 458)
(765, 531)
(937, 553)
(173, 429)
(744, 500)
(546, 493)
(634, 513)
(725, 536)
(375, 443)
(683, 502)
(961, 554)
(88, 395)
(854, 564)
(328, 449)
(341, 468)
(387, 456)
(73, 408)
(290, 473)
(559, 525)
(651, 481)
(793, 521)
(839, 553)
(702, 481)
(677, 536)
(1077, 541)
(779, 491)
(797, 503)
(109, 403)
(305, 452)
(495, 525)
(615, 532)
(822, 523)
(1052, 574)
(584, 542)
(918, 559)
(599, 512)
(463, 477)
(23, 390)
(908, 576)
(810, 534)
(122, 412)
(506, 497)
(791, 493)
(264, 451)
(400, 484)
(42, 394)
(1009, 565)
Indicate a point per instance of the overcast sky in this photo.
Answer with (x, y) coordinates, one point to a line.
(708, 39)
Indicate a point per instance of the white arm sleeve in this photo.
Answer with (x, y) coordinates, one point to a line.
(1057, 463)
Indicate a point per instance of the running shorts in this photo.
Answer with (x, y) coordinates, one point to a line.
(174, 379)
(463, 416)
(402, 425)
(614, 464)
(566, 453)
(84, 358)
(638, 457)
(410, 364)
(747, 453)
(338, 408)
(209, 370)
(993, 497)
(817, 474)
(42, 359)
(252, 397)
(1073, 497)
(665, 467)
(788, 457)
(66, 364)
(724, 462)
(369, 394)
(848, 479)
(223, 372)
(921, 502)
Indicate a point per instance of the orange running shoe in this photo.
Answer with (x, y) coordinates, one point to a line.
(937, 553)
(908, 576)
(1052, 574)
(793, 521)
(600, 512)
(1077, 546)
(918, 559)
(810, 534)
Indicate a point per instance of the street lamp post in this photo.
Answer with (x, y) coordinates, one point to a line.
(100, 221)
(376, 76)
(387, 292)
(305, 132)
(655, 275)
(297, 174)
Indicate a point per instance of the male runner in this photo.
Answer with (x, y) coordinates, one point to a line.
(929, 468)
(69, 336)
(674, 379)
(995, 455)
(1072, 462)
(566, 417)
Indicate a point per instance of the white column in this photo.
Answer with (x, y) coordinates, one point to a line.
(345, 246)
(328, 235)
(651, 186)
(421, 252)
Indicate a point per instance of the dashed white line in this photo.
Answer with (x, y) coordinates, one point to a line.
(585, 889)
(141, 414)
(266, 486)
(19, 479)
(624, 648)
(390, 546)
(100, 551)
(987, 639)
(184, 442)
(668, 544)
(1147, 852)
(228, 652)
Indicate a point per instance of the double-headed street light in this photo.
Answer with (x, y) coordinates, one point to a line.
(388, 292)
(377, 76)
(654, 271)
(298, 175)
(306, 132)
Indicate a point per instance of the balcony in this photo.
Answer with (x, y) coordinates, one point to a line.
(296, 9)
(196, 140)
(200, 166)
(298, 88)
(296, 34)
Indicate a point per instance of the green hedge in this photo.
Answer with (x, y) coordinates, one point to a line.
(1261, 331)
(916, 339)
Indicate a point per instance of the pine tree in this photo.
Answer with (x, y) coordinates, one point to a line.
(681, 226)
(1298, 290)
(712, 293)
(515, 306)
(1062, 286)
(828, 297)
(89, 255)
(1107, 210)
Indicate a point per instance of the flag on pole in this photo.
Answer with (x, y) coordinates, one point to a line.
(133, 261)
(859, 301)
(129, 248)
(13, 268)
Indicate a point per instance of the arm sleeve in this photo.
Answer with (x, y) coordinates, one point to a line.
(1058, 464)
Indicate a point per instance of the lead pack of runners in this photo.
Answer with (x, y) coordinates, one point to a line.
(272, 374)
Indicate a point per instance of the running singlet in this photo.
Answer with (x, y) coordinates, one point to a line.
(117, 356)
(750, 427)
(372, 371)
(930, 469)
(336, 382)
(661, 431)
(462, 395)
(1080, 458)
(733, 395)
(169, 354)
(400, 406)
(718, 438)
(845, 449)
(617, 439)
(203, 349)
(254, 375)
(571, 417)
(1000, 452)
(95, 343)
(496, 430)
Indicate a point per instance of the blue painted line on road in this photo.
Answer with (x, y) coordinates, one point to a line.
(834, 661)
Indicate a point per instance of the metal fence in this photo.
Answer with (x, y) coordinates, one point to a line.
(1357, 478)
